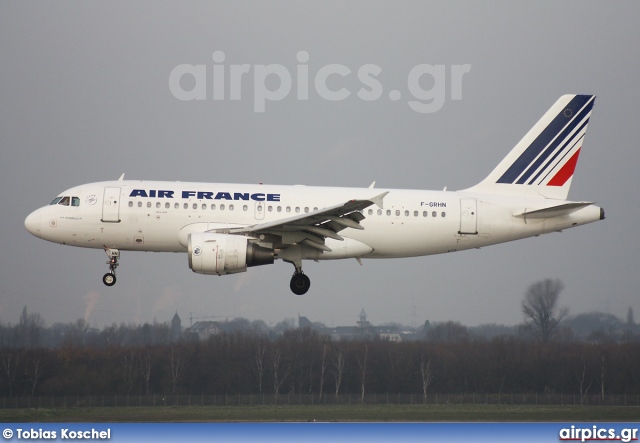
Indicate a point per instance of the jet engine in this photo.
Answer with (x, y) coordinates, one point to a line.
(220, 254)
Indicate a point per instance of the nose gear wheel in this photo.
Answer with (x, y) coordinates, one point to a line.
(109, 279)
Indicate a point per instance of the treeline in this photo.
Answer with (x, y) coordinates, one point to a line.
(302, 361)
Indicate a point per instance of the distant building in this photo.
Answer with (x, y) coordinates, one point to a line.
(176, 328)
(204, 329)
(363, 330)
(363, 323)
(304, 322)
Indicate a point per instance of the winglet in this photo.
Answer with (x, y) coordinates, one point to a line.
(378, 199)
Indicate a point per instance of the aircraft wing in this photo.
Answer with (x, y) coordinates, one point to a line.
(312, 227)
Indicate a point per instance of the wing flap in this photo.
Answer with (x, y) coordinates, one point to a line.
(319, 225)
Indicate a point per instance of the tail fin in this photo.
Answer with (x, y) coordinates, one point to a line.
(543, 162)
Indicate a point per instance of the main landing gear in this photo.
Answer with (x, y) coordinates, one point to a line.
(300, 283)
(109, 278)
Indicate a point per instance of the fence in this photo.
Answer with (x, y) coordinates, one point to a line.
(315, 399)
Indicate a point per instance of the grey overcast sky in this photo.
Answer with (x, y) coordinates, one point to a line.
(85, 96)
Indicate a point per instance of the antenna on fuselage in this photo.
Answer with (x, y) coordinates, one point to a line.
(121, 177)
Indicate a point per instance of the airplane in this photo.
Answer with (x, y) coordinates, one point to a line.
(227, 228)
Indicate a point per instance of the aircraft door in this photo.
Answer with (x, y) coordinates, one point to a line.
(468, 216)
(111, 205)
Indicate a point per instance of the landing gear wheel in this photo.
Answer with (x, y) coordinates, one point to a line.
(300, 284)
(109, 279)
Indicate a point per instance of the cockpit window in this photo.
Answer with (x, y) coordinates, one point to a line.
(66, 201)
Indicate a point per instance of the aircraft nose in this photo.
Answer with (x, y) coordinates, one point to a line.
(33, 223)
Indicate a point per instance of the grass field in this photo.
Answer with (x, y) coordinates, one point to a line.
(340, 413)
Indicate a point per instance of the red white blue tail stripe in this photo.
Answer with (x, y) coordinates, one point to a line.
(543, 162)
(550, 159)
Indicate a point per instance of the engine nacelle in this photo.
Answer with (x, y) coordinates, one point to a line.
(220, 254)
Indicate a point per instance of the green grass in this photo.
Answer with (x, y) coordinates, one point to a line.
(340, 413)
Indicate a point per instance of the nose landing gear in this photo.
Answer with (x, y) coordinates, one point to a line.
(109, 278)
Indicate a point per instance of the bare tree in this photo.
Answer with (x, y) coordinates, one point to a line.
(602, 374)
(145, 368)
(29, 329)
(448, 332)
(323, 366)
(427, 376)
(280, 374)
(259, 362)
(176, 369)
(33, 373)
(540, 310)
(338, 365)
(583, 385)
(128, 369)
(362, 363)
(10, 367)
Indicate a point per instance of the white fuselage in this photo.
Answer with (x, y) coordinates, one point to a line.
(227, 228)
(158, 216)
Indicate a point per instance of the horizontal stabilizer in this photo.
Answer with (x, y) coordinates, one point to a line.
(555, 211)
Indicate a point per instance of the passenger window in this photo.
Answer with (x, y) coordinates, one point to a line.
(148, 204)
(379, 211)
(139, 204)
(425, 214)
(245, 207)
(230, 207)
(444, 214)
(222, 207)
(176, 206)
(75, 201)
(406, 213)
(158, 205)
(204, 206)
(415, 213)
(195, 206)
(397, 213)
(370, 211)
(186, 205)
(213, 207)
(167, 205)
(434, 214)
(56, 201)
(64, 201)
(388, 212)
(131, 204)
